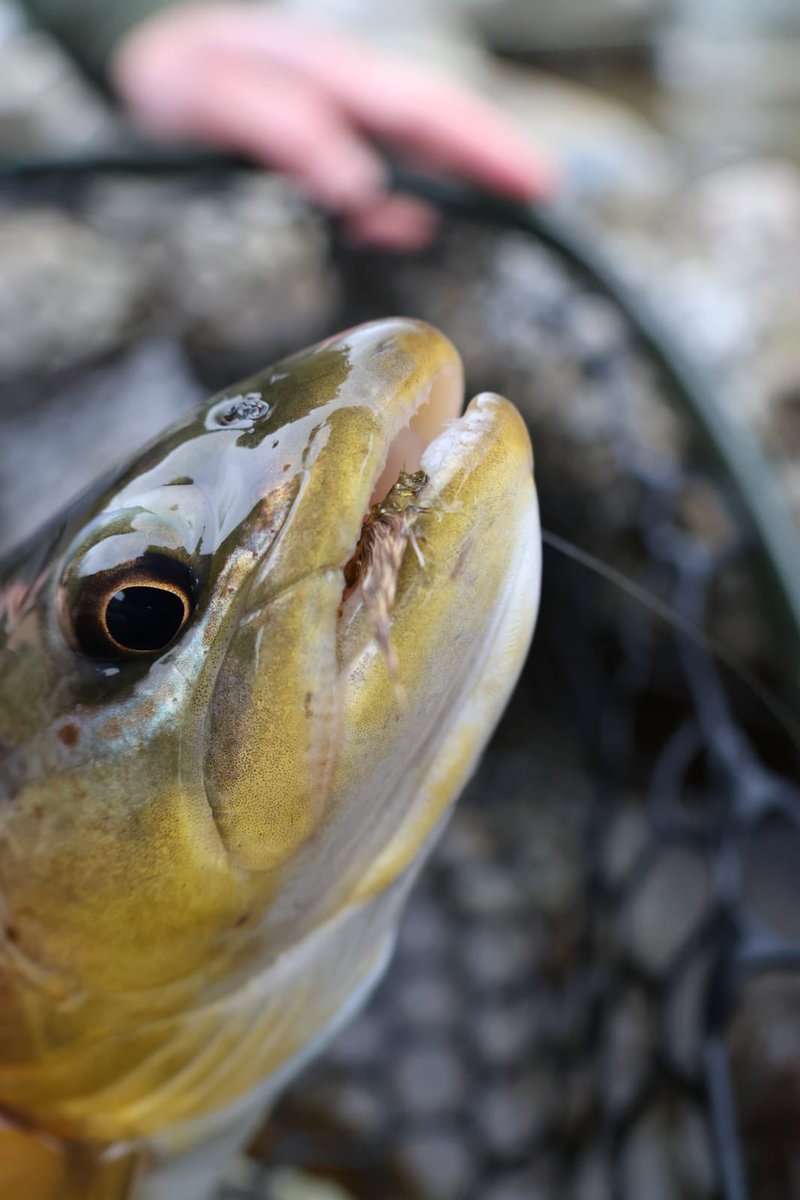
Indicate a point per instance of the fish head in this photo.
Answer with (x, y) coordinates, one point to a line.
(216, 739)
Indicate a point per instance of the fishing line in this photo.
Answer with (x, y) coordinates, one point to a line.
(671, 617)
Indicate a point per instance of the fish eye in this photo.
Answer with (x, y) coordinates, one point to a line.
(138, 608)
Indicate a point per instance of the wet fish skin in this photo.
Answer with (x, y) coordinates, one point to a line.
(204, 850)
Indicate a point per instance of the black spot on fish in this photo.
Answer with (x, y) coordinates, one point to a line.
(69, 734)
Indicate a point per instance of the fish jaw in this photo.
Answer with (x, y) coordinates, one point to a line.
(272, 736)
(461, 626)
(295, 782)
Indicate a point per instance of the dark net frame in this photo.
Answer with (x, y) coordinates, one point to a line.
(607, 656)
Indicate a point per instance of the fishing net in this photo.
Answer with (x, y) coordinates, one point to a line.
(594, 993)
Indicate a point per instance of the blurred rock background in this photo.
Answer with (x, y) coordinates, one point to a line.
(230, 277)
(517, 1049)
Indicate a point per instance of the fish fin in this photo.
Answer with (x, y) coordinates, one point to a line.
(30, 1165)
(36, 1166)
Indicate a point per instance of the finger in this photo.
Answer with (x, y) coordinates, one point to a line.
(273, 115)
(400, 223)
(447, 128)
(284, 121)
(415, 110)
(439, 123)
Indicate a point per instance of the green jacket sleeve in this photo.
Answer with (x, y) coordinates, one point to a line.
(90, 29)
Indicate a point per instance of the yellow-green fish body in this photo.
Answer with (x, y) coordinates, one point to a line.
(215, 789)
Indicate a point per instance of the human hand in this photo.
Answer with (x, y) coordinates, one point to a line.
(312, 103)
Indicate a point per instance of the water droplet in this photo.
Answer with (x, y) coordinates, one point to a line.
(237, 412)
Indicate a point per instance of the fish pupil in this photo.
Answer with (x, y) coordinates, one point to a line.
(144, 618)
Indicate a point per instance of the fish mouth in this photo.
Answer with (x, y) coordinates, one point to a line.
(432, 411)
(439, 604)
(437, 466)
(363, 623)
(402, 490)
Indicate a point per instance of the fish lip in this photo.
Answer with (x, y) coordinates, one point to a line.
(460, 626)
(448, 376)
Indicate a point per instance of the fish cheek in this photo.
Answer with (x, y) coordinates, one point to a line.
(272, 727)
(113, 874)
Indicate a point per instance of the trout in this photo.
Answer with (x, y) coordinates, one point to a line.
(242, 681)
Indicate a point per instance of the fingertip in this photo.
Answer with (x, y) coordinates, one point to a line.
(543, 178)
(397, 223)
(521, 173)
(348, 178)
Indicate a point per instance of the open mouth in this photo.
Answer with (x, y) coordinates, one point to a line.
(432, 412)
(432, 445)
(399, 496)
(440, 594)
